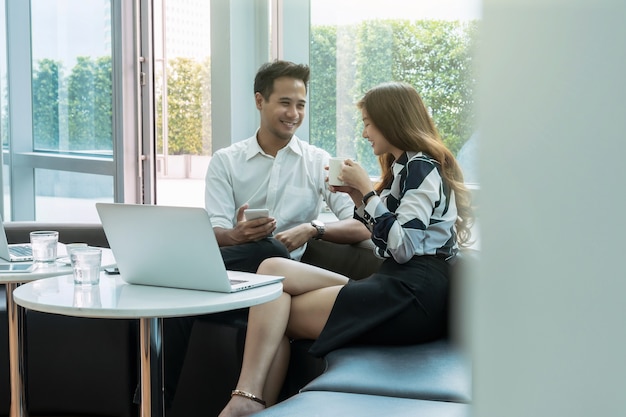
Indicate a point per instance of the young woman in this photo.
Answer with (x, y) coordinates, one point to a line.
(419, 213)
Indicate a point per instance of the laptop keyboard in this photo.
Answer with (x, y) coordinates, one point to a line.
(21, 250)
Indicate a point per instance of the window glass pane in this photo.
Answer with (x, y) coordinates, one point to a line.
(70, 196)
(6, 188)
(358, 44)
(71, 52)
(183, 95)
(4, 118)
(4, 115)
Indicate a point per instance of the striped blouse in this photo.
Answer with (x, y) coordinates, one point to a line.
(416, 216)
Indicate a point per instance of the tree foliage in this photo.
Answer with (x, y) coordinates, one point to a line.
(433, 56)
(188, 108)
(323, 88)
(73, 113)
(46, 105)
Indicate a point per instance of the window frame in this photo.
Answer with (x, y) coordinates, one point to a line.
(22, 159)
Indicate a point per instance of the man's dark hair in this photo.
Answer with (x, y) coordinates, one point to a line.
(268, 72)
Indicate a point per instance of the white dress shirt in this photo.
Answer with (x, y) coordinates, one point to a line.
(291, 185)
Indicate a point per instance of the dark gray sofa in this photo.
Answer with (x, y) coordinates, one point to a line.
(431, 379)
(428, 380)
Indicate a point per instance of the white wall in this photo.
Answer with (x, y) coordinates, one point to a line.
(548, 299)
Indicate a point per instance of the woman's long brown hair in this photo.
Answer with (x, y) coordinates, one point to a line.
(398, 112)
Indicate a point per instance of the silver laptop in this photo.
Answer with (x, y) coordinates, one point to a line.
(17, 252)
(170, 247)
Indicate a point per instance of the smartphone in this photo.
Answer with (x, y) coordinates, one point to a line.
(252, 214)
(12, 268)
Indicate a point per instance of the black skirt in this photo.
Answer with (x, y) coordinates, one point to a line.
(400, 304)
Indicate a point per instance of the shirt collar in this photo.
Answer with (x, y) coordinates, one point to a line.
(294, 145)
(399, 164)
(254, 148)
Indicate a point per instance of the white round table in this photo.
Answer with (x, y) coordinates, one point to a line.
(115, 299)
(16, 323)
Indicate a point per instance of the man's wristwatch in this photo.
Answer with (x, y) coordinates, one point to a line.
(321, 228)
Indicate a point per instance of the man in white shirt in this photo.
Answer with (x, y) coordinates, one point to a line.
(275, 170)
(272, 170)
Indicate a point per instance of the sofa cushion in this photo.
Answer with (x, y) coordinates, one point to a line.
(429, 371)
(330, 404)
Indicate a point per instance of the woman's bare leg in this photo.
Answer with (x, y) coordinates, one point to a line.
(266, 331)
(308, 297)
(310, 312)
(308, 316)
(300, 277)
(277, 373)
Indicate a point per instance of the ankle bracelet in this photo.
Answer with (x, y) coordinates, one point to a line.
(248, 396)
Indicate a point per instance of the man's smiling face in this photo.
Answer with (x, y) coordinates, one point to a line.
(283, 112)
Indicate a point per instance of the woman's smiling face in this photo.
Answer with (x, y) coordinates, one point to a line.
(380, 145)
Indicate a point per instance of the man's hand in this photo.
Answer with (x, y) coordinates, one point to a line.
(250, 230)
(296, 236)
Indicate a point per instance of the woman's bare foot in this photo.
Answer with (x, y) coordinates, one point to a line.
(240, 407)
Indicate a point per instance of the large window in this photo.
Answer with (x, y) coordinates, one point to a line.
(57, 109)
(71, 102)
(182, 48)
(358, 44)
(71, 76)
(115, 100)
(4, 119)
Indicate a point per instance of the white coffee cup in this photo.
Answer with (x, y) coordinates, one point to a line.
(334, 170)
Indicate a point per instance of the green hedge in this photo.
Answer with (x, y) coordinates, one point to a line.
(434, 56)
(74, 112)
